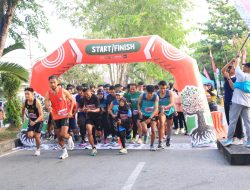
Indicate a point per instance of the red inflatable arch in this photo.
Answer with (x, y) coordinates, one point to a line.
(138, 49)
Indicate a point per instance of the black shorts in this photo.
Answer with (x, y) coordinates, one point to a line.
(94, 122)
(81, 121)
(144, 118)
(167, 116)
(37, 127)
(61, 122)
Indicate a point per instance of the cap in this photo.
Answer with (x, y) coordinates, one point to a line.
(118, 93)
(247, 64)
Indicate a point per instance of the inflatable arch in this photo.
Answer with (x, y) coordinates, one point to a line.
(138, 49)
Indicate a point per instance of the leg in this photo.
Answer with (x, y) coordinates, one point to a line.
(64, 132)
(162, 119)
(226, 108)
(153, 126)
(245, 114)
(122, 135)
(90, 134)
(135, 125)
(38, 139)
(180, 118)
(239, 129)
(234, 113)
(176, 121)
(30, 134)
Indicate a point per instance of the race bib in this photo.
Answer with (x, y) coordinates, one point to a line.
(63, 112)
(135, 112)
(32, 116)
(149, 109)
(124, 116)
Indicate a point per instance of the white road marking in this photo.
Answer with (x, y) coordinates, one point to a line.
(132, 178)
(9, 153)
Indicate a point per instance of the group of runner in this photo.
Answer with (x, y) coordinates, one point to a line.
(109, 112)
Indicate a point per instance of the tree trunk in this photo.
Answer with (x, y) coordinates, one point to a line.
(5, 21)
(110, 73)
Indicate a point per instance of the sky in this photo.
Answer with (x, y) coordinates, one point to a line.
(61, 30)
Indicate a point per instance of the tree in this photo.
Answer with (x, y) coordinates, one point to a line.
(225, 31)
(17, 17)
(121, 19)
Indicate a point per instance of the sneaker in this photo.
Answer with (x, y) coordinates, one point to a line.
(109, 136)
(123, 151)
(248, 144)
(228, 142)
(86, 139)
(177, 131)
(160, 145)
(139, 141)
(37, 152)
(145, 138)
(168, 142)
(93, 152)
(71, 143)
(152, 148)
(133, 141)
(113, 140)
(183, 131)
(64, 154)
(237, 141)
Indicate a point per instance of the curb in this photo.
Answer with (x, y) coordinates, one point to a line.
(9, 145)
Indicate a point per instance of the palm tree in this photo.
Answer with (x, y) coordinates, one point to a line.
(13, 68)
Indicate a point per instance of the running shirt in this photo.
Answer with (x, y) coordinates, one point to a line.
(133, 99)
(115, 107)
(124, 114)
(33, 112)
(148, 106)
(59, 105)
(92, 104)
(165, 101)
(110, 98)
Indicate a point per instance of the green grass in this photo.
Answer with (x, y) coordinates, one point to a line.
(7, 134)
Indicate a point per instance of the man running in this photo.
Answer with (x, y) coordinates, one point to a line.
(56, 103)
(92, 111)
(35, 116)
(166, 112)
(132, 98)
(148, 109)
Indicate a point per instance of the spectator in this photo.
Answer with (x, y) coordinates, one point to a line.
(211, 97)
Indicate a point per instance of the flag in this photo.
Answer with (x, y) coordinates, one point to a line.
(243, 8)
(206, 73)
(212, 61)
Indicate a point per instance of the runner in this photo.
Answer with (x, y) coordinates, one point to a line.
(81, 119)
(56, 103)
(140, 87)
(124, 120)
(111, 97)
(166, 112)
(73, 130)
(35, 116)
(104, 115)
(112, 110)
(92, 111)
(148, 109)
(133, 97)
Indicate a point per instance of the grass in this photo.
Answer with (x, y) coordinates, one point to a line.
(9, 133)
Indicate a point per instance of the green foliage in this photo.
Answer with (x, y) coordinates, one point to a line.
(29, 19)
(121, 19)
(225, 31)
(80, 74)
(11, 85)
(15, 70)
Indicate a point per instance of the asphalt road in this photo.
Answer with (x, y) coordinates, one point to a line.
(139, 169)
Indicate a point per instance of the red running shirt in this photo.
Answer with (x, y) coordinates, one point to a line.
(59, 105)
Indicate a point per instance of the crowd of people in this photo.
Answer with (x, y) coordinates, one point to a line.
(131, 114)
(106, 114)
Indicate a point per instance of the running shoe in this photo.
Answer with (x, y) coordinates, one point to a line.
(109, 136)
(123, 151)
(228, 142)
(64, 154)
(237, 141)
(105, 141)
(160, 145)
(37, 152)
(71, 143)
(177, 131)
(168, 142)
(248, 144)
(86, 139)
(93, 152)
(139, 141)
(183, 131)
(152, 148)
